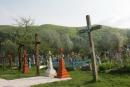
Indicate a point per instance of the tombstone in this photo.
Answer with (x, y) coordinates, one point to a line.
(50, 72)
(10, 58)
(29, 62)
(98, 60)
(42, 59)
(25, 63)
(33, 58)
(62, 71)
(16, 63)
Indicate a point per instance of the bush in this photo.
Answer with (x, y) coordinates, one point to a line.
(121, 70)
(106, 66)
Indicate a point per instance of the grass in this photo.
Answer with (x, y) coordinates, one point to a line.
(79, 79)
(10, 74)
(84, 79)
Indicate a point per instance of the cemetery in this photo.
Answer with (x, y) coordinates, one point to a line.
(26, 63)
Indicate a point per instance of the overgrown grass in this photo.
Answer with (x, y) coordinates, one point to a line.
(14, 74)
(84, 79)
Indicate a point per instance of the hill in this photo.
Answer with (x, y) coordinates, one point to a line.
(54, 37)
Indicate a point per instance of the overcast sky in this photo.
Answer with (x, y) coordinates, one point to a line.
(67, 12)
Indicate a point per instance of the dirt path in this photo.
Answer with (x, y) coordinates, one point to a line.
(28, 82)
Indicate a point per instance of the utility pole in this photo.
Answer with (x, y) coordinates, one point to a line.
(37, 44)
(89, 29)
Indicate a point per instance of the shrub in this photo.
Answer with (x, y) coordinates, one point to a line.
(106, 66)
(121, 70)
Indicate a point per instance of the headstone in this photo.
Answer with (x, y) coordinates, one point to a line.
(50, 72)
(25, 64)
(30, 65)
(10, 60)
(33, 58)
(62, 72)
(98, 60)
(16, 61)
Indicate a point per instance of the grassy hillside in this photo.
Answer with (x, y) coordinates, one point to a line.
(70, 30)
(54, 37)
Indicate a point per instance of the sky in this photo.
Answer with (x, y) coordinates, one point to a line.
(115, 13)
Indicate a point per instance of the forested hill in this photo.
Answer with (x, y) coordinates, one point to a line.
(54, 37)
(8, 29)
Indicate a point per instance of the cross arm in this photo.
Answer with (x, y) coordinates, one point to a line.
(96, 27)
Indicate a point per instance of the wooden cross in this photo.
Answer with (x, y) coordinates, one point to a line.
(37, 45)
(89, 29)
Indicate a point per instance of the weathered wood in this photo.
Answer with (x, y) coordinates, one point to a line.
(10, 58)
(19, 58)
(93, 59)
(0, 52)
(96, 27)
(25, 62)
(37, 44)
(21, 45)
(89, 29)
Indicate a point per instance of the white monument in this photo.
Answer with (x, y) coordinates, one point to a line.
(50, 72)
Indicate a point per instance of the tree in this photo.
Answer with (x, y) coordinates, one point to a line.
(55, 39)
(8, 50)
(109, 44)
(23, 35)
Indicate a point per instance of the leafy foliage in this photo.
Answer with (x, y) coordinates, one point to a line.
(54, 37)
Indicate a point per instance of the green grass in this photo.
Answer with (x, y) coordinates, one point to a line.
(15, 74)
(84, 79)
(79, 79)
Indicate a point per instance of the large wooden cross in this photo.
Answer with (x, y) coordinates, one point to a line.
(89, 29)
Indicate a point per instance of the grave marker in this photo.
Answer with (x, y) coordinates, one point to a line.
(37, 44)
(89, 29)
(50, 72)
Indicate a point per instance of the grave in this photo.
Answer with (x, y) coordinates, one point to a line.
(62, 71)
(25, 64)
(50, 72)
